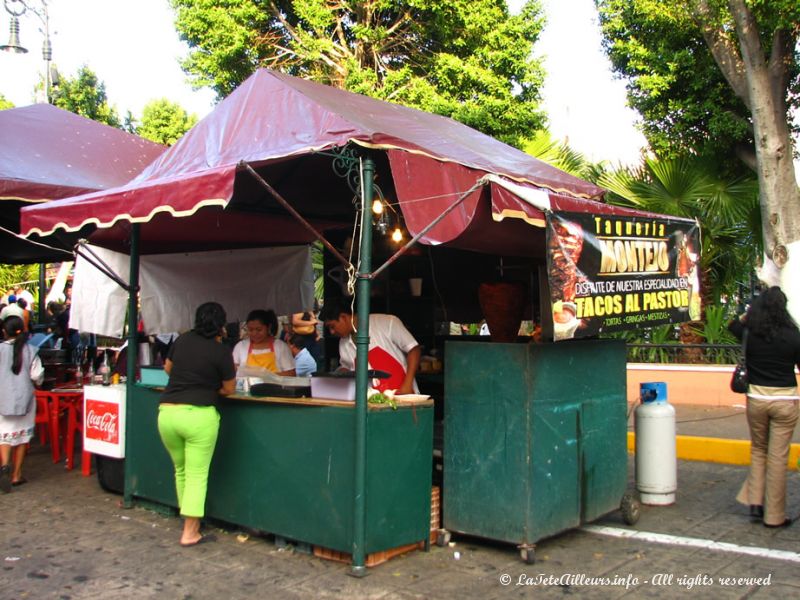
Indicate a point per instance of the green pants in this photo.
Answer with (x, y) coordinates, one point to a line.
(189, 434)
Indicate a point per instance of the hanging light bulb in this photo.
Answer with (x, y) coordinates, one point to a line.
(377, 206)
(383, 223)
(397, 235)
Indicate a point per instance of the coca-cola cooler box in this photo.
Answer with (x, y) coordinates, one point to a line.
(104, 420)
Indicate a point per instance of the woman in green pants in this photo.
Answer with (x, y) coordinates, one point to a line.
(200, 369)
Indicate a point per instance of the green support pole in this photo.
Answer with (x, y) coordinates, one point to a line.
(42, 293)
(362, 366)
(133, 347)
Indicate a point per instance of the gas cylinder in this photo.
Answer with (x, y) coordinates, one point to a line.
(656, 462)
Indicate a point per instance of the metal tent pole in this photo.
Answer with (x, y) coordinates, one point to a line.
(362, 348)
(42, 294)
(133, 322)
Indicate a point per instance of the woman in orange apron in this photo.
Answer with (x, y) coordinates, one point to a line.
(262, 349)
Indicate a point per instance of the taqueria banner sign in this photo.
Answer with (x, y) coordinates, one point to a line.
(608, 273)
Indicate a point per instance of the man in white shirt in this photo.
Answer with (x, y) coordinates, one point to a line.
(391, 347)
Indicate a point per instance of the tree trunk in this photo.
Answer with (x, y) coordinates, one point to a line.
(778, 189)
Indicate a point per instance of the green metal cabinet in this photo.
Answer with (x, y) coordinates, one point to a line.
(287, 469)
(534, 437)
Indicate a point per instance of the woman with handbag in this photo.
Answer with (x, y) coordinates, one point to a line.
(772, 351)
(20, 369)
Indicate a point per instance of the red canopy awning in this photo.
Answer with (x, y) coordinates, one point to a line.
(426, 188)
(48, 153)
(276, 123)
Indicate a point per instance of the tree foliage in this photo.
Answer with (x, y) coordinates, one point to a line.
(675, 82)
(85, 95)
(14, 275)
(754, 45)
(165, 122)
(559, 155)
(726, 208)
(5, 103)
(466, 59)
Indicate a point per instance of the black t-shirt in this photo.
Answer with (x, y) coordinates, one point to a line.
(770, 363)
(199, 366)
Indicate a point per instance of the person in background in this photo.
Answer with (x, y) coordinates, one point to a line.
(163, 342)
(391, 347)
(261, 349)
(30, 299)
(71, 338)
(200, 369)
(772, 352)
(20, 369)
(57, 324)
(304, 363)
(286, 329)
(12, 309)
(305, 324)
(53, 310)
(26, 314)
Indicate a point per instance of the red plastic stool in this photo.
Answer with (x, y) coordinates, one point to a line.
(57, 411)
(75, 425)
(60, 403)
(42, 420)
(53, 413)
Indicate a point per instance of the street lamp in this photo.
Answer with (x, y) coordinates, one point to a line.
(17, 8)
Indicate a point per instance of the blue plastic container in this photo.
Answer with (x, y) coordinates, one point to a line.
(154, 376)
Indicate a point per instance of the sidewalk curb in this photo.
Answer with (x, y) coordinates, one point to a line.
(718, 450)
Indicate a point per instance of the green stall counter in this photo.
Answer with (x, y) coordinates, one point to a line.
(285, 466)
(534, 437)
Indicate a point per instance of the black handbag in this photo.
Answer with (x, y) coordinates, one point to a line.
(739, 380)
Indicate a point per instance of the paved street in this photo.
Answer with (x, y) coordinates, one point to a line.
(65, 538)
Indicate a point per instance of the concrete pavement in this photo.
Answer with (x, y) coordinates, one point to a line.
(62, 537)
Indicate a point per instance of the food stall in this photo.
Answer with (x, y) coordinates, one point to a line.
(309, 168)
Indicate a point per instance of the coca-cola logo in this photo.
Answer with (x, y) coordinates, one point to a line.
(101, 422)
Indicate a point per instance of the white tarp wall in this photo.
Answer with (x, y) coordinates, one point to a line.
(174, 285)
(56, 291)
(98, 303)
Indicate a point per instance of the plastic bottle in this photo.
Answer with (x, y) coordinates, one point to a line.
(105, 371)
